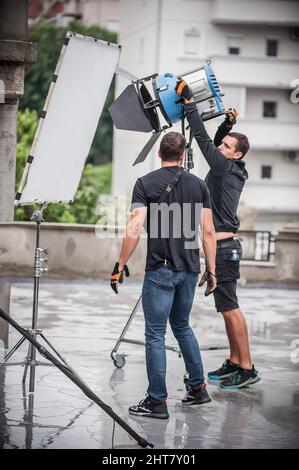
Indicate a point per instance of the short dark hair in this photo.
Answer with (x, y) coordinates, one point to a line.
(242, 142)
(172, 146)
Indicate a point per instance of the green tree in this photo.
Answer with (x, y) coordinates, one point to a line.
(49, 39)
(95, 181)
(27, 124)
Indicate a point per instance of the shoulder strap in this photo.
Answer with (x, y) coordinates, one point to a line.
(173, 182)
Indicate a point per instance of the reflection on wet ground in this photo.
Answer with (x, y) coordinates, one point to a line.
(83, 320)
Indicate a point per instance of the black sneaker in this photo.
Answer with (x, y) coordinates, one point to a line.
(150, 408)
(241, 378)
(197, 396)
(225, 371)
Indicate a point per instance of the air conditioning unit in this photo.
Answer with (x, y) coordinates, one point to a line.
(294, 34)
(291, 156)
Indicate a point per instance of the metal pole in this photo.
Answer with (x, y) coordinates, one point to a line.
(32, 353)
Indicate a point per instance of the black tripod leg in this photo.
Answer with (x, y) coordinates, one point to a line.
(8, 355)
(27, 362)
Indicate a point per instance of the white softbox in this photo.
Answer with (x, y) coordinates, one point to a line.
(69, 120)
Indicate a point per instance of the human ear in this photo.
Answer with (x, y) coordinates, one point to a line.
(238, 156)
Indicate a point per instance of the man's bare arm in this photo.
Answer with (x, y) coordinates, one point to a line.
(209, 239)
(132, 235)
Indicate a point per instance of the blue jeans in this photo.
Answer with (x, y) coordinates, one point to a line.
(168, 294)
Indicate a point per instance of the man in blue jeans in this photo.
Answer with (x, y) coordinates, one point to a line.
(172, 268)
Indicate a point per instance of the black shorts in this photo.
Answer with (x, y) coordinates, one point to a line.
(228, 256)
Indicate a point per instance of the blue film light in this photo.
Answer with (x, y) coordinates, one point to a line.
(164, 85)
(171, 107)
(214, 87)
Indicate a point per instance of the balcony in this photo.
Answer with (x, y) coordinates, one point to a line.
(257, 72)
(255, 12)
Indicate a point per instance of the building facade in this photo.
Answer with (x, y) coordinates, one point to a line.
(254, 51)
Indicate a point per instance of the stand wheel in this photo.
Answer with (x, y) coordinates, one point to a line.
(119, 361)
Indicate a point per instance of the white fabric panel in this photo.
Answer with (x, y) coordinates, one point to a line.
(74, 108)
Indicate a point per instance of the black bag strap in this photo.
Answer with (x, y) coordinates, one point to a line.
(164, 195)
(173, 182)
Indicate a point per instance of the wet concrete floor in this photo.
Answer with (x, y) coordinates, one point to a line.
(83, 320)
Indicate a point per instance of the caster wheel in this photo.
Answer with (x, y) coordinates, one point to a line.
(119, 361)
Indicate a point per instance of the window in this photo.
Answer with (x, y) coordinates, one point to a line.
(272, 47)
(270, 109)
(266, 171)
(234, 44)
(192, 42)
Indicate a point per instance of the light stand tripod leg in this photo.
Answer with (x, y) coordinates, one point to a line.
(55, 350)
(119, 359)
(8, 355)
(27, 361)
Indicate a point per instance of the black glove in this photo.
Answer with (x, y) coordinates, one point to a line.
(211, 281)
(182, 88)
(231, 117)
(117, 277)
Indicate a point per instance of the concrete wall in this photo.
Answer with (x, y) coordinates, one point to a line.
(73, 250)
(76, 251)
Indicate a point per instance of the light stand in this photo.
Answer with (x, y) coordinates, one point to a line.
(40, 267)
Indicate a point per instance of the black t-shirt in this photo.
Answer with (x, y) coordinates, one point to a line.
(173, 228)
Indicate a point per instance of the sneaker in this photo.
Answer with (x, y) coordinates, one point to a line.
(241, 378)
(150, 408)
(225, 371)
(197, 396)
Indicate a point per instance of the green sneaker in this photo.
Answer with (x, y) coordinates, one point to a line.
(241, 378)
(225, 371)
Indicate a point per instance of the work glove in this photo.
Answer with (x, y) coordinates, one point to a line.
(183, 90)
(231, 117)
(117, 277)
(211, 281)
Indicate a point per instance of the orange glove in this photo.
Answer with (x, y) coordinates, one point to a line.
(117, 277)
(182, 88)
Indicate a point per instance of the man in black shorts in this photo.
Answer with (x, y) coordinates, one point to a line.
(225, 181)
